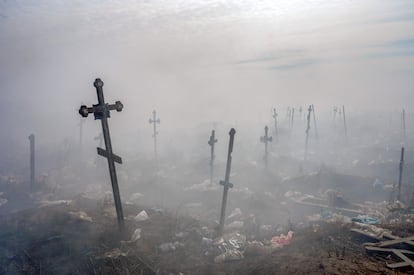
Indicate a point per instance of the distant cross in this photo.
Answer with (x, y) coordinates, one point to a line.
(102, 111)
(344, 117)
(335, 110)
(403, 132)
(226, 183)
(314, 121)
(275, 119)
(81, 121)
(292, 118)
(265, 139)
(300, 113)
(32, 161)
(288, 114)
(154, 121)
(211, 142)
(400, 175)
(307, 131)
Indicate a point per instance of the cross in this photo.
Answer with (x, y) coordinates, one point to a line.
(154, 121)
(275, 118)
(307, 131)
(292, 118)
(403, 132)
(343, 115)
(265, 139)
(32, 161)
(102, 111)
(211, 142)
(226, 183)
(400, 175)
(300, 112)
(314, 121)
(335, 110)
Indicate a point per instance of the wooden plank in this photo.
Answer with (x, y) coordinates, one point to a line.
(379, 249)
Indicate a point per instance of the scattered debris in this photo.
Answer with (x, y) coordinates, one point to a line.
(80, 215)
(142, 216)
(282, 239)
(136, 235)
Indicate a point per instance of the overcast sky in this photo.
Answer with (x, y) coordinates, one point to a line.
(199, 61)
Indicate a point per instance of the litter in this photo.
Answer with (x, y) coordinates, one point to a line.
(365, 219)
(282, 239)
(136, 235)
(142, 216)
(229, 255)
(235, 213)
(81, 215)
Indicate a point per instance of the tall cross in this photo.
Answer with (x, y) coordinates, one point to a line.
(32, 161)
(335, 110)
(154, 121)
(314, 121)
(275, 119)
(226, 183)
(102, 111)
(292, 118)
(403, 132)
(400, 175)
(344, 117)
(265, 139)
(211, 142)
(300, 112)
(307, 131)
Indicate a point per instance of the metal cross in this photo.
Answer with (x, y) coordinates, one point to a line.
(292, 118)
(307, 131)
(226, 183)
(314, 121)
(154, 121)
(211, 142)
(102, 111)
(400, 175)
(265, 139)
(275, 118)
(343, 115)
(32, 161)
(403, 131)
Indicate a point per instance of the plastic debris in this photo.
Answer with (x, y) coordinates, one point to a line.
(81, 215)
(59, 202)
(136, 235)
(282, 239)
(235, 213)
(167, 247)
(142, 216)
(116, 253)
(229, 255)
(236, 225)
(365, 219)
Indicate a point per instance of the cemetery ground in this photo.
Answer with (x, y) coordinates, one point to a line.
(69, 226)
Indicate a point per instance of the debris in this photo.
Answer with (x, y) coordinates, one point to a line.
(365, 219)
(136, 235)
(114, 254)
(235, 213)
(168, 247)
(52, 203)
(80, 215)
(229, 255)
(282, 239)
(206, 241)
(236, 225)
(142, 216)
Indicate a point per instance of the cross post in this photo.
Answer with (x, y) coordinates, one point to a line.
(154, 121)
(401, 172)
(32, 161)
(345, 128)
(314, 121)
(275, 119)
(211, 142)
(226, 183)
(101, 111)
(307, 131)
(265, 139)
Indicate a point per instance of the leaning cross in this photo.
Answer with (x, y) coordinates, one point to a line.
(275, 118)
(265, 139)
(101, 111)
(314, 121)
(154, 121)
(226, 182)
(343, 115)
(307, 131)
(32, 161)
(400, 175)
(211, 142)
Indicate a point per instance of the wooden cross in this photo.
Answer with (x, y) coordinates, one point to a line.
(226, 183)
(102, 111)
(265, 139)
(154, 121)
(211, 142)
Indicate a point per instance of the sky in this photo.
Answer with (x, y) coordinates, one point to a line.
(198, 61)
